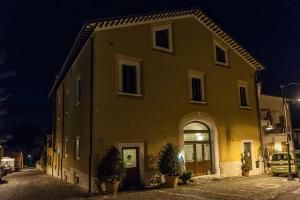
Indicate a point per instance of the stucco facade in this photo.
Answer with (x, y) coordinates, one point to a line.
(162, 108)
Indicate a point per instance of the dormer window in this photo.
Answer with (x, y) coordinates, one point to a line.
(162, 38)
(220, 54)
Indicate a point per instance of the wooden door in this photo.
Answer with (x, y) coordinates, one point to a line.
(131, 162)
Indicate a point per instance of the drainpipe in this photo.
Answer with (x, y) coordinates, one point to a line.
(258, 95)
(91, 76)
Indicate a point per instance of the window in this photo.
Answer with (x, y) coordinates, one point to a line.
(129, 77)
(66, 147)
(162, 38)
(78, 90)
(196, 83)
(58, 107)
(220, 54)
(77, 148)
(66, 101)
(243, 94)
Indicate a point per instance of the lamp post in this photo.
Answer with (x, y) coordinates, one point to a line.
(285, 126)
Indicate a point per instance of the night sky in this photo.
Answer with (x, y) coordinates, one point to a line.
(37, 35)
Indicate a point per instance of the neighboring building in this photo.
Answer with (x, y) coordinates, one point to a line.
(141, 81)
(17, 156)
(272, 115)
(1, 151)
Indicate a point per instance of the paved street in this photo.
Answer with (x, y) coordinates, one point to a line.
(32, 184)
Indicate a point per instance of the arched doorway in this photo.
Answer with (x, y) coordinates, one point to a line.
(197, 148)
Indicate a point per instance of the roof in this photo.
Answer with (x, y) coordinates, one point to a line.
(109, 23)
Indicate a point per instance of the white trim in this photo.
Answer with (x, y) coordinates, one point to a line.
(201, 76)
(77, 150)
(132, 62)
(170, 37)
(141, 147)
(245, 85)
(216, 43)
(252, 152)
(77, 100)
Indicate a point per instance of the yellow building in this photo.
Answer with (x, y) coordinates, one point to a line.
(141, 81)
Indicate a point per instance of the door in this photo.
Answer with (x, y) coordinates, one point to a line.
(247, 151)
(131, 162)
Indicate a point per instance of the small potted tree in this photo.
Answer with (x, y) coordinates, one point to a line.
(168, 164)
(111, 170)
(245, 159)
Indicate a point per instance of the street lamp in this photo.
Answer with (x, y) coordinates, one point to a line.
(285, 131)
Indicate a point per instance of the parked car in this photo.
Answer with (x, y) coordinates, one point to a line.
(297, 155)
(279, 164)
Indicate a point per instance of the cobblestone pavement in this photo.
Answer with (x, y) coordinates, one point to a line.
(34, 185)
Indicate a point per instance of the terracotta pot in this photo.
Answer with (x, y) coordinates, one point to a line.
(171, 181)
(112, 187)
(246, 173)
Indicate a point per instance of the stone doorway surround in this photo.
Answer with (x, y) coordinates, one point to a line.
(209, 121)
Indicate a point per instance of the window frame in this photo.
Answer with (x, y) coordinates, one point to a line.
(66, 147)
(201, 76)
(243, 84)
(77, 100)
(77, 149)
(170, 37)
(58, 107)
(215, 44)
(66, 101)
(132, 62)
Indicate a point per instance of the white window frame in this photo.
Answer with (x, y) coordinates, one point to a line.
(66, 101)
(245, 85)
(170, 37)
(77, 148)
(216, 43)
(201, 76)
(137, 64)
(66, 147)
(77, 100)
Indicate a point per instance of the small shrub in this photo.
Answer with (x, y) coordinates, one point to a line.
(111, 167)
(168, 162)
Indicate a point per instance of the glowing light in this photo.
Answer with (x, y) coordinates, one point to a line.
(278, 147)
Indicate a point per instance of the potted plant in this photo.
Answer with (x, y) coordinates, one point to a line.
(168, 164)
(185, 177)
(245, 159)
(111, 170)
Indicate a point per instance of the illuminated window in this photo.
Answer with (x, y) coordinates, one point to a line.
(66, 147)
(162, 38)
(196, 84)
(220, 54)
(129, 76)
(77, 149)
(78, 90)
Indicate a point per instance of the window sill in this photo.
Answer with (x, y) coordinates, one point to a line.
(244, 107)
(222, 64)
(164, 50)
(198, 102)
(130, 94)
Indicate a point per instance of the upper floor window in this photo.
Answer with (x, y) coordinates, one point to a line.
(129, 76)
(78, 90)
(66, 102)
(77, 148)
(220, 54)
(243, 94)
(196, 84)
(162, 38)
(58, 107)
(66, 147)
